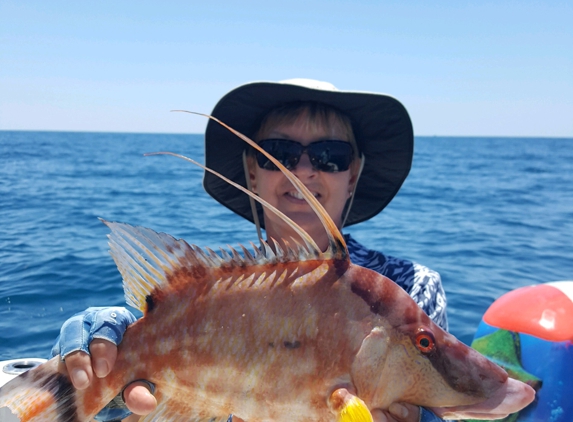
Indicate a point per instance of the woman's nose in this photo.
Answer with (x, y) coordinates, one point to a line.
(304, 166)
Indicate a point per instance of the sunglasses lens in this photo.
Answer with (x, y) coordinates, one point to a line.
(330, 156)
(287, 152)
(327, 156)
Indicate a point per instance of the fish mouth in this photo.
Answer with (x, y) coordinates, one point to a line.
(510, 398)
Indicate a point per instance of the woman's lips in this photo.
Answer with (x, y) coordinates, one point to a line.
(298, 196)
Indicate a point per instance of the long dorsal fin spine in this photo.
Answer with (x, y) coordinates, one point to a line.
(264, 203)
(336, 241)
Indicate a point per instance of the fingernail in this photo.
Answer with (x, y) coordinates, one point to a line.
(398, 410)
(80, 378)
(100, 368)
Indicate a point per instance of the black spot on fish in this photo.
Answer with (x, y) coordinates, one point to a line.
(150, 303)
(64, 395)
(292, 344)
(271, 344)
(341, 265)
(61, 389)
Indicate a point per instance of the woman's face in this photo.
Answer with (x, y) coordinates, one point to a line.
(331, 189)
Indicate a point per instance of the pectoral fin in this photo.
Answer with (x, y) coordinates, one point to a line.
(347, 407)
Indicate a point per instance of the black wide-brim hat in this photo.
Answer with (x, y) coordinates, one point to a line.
(381, 125)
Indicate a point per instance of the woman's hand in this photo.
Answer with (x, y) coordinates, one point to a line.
(88, 344)
(101, 360)
(139, 399)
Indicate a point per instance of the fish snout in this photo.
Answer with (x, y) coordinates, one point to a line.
(510, 398)
(472, 377)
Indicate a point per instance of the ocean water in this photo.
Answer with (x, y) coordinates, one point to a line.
(489, 214)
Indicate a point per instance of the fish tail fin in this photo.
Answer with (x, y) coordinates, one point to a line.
(45, 394)
(41, 394)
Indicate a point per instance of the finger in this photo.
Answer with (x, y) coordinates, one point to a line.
(405, 412)
(139, 399)
(79, 367)
(103, 354)
(379, 416)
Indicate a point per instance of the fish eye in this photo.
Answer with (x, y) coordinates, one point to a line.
(425, 341)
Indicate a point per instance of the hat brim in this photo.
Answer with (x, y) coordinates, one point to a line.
(381, 125)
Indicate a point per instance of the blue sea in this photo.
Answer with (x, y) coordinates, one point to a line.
(489, 214)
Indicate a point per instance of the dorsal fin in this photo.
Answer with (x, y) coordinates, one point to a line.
(147, 260)
(337, 246)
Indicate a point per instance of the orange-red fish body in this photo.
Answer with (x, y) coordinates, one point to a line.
(266, 338)
(276, 342)
(290, 333)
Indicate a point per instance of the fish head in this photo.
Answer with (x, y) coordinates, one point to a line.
(406, 357)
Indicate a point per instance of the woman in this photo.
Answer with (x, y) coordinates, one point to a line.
(352, 150)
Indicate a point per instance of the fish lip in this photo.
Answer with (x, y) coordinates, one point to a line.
(510, 398)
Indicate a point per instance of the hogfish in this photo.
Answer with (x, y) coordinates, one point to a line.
(286, 332)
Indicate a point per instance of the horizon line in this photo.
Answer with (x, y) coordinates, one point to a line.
(202, 134)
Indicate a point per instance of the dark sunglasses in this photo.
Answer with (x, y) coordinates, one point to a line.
(328, 156)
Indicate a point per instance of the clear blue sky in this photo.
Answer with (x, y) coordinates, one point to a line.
(461, 68)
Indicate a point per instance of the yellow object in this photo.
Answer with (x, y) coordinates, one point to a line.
(354, 410)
